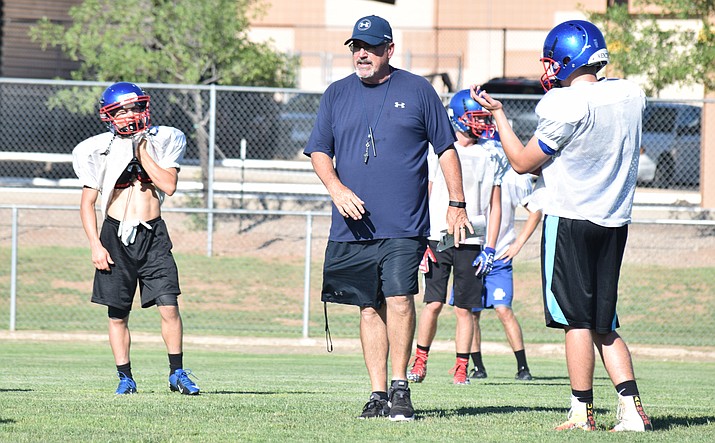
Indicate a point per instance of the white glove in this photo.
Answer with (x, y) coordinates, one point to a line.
(128, 230)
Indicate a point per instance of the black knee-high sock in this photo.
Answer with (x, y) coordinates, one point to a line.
(176, 361)
(521, 359)
(126, 369)
(477, 359)
(583, 396)
(627, 388)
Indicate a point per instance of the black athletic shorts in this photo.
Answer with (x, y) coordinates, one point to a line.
(466, 285)
(581, 264)
(364, 273)
(148, 261)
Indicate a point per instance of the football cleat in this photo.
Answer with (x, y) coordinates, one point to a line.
(180, 381)
(580, 417)
(523, 374)
(419, 368)
(478, 373)
(460, 372)
(631, 416)
(126, 385)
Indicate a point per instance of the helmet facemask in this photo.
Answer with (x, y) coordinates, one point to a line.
(551, 70)
(127, 117)
(479, 122)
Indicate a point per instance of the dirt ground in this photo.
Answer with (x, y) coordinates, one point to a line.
(252, 345)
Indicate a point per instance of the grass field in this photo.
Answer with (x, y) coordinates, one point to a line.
(63, 392)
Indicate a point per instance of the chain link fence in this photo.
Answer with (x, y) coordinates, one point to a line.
(264, 273)
(250, 253)
(46, 117)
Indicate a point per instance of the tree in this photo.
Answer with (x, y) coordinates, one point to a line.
(639, 45)
(194, 42)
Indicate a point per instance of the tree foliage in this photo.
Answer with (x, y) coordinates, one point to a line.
(640, 45)
(193, 42)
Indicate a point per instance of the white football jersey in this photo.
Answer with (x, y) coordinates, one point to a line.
(516, 190)
(595, 130)
(483, 166)
(100, 160)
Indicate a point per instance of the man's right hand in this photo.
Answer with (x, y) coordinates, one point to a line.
(484, 99)
(101, 258)
(349, 204)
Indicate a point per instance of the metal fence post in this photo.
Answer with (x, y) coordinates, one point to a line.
(212, 165)
(13, 271)
(306, 276)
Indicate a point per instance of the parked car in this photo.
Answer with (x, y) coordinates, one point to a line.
(670, 145)
(520, 110)
(295, 123)
(247, 115)
(646, 169)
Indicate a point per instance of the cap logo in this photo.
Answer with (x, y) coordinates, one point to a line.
(364, 25)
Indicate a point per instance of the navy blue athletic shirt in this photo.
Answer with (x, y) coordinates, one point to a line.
(393, 184)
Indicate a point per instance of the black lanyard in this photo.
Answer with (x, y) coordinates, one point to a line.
(370, 129)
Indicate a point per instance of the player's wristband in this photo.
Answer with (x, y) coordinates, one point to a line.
(457, 204)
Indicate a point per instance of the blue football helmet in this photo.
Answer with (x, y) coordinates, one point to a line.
(467, 115)
(125, 108)
(569, 46)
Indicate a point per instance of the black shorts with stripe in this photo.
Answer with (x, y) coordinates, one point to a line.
(581, 265)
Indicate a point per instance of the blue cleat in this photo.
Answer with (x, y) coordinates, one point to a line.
(180, 381)
(126, 385)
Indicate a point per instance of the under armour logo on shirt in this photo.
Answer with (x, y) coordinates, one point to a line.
(399, 105)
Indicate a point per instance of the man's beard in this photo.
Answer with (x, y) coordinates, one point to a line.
(362, 73)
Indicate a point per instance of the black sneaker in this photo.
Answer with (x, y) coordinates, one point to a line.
(400, 404)
(478, 373)
(523, 374)
(375, 407)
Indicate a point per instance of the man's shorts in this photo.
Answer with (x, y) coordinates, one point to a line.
(364, 273)
(148, 261)
(467, 287)
(581, 264)
(498, 286)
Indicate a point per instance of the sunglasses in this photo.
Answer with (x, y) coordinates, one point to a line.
(357, 46)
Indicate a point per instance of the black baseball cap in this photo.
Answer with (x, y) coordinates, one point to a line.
(372, 30)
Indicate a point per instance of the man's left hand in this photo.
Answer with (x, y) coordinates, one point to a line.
(458, 224)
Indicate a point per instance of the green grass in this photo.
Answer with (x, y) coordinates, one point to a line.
(59, 392)
(249, 296)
